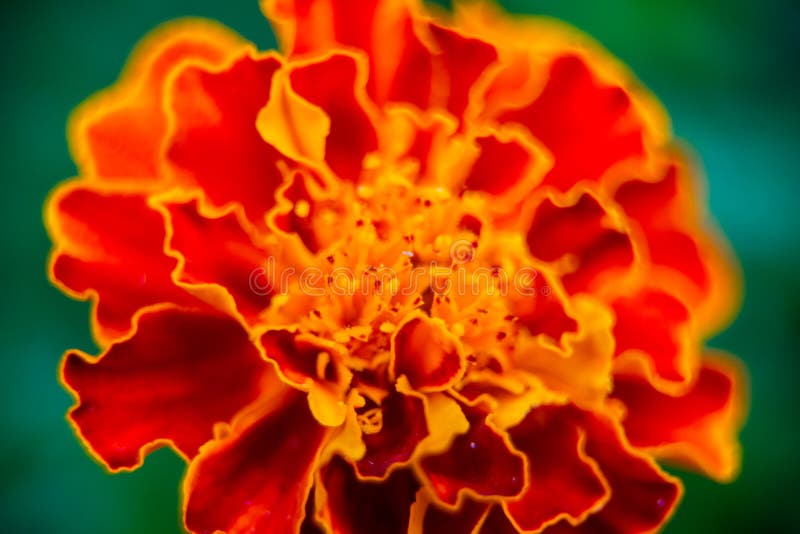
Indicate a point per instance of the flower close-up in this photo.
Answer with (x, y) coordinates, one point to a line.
(417, 271)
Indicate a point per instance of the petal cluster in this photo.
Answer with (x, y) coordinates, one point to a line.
(414, 273)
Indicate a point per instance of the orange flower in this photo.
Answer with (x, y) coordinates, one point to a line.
(416, 274)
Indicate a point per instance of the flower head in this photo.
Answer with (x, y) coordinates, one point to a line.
(413, 274)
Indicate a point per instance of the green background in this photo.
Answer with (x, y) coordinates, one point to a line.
(727, 72)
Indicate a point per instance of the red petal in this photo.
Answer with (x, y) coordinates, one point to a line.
(258, 478)
(462, 521)
(363, 507)
(219, 251)
(697, 428)
(587, 125)
(481, 462)
(501, 165)
(177, 375)
(215, 141)
(647, 322)
(112, 244)
(580, 230)
(118, 134)
(564, 483)
(427, 354)
(642, 496)
(403, 427)
(331, 84)
(464, 60)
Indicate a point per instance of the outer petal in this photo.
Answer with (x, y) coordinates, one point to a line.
(219, 250)
(214, 142)
(257, 479)
(587, 125)
(564, 481)
(481, 462)
(697, 428)
(118, 134)
(110, 244)
(351, 506)
(178, 374)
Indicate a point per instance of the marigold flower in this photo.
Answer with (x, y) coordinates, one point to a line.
(415, 274)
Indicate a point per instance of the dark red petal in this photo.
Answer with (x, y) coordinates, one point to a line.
(331, 84)
(257, 479)
(366, 507)
(403, 426)
(412, 77)
(697, 428)
(648, 322)
(463, 59)
(539, 308)
(582, 231)
(112, 244)
(480, 461)
(587, 125)
(215, 141)
(219, 251)
(563, 481)
(500, 166)
(642, 496)
(649, 202)
(179, 373)
(462, 521)
(497, 523)
(287, 218)
(427, 354)
(679, 251)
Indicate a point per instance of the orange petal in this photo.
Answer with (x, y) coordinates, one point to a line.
(111, 245)
(352, 506)
(480, 462)
(178, 374)
(427, 354)
(587, 125)
(218, 250)
(257, 479)
(118, 134)
(402, 427)
(580, 230)
(564, 482)
(697, 428)
(215, 143)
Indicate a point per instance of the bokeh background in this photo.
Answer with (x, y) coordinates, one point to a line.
(727, 71)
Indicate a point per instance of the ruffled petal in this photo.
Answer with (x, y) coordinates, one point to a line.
(429, 356)
(215, 145)
(118, 134)
(427, 516)
(507, 166)
(480, 462)
(588, 125)
(335, 84)
(178, 374)
(111, 246)
(557, 466)
(312, 365)
(257, 478)
(219, 250)
(697, 428)
(348, 505)
(391, 440)
(583, 232)
(654, 325)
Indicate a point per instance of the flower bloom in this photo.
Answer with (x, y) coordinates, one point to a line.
(413, 274)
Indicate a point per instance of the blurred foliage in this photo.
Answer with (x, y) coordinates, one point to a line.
(727, 72)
